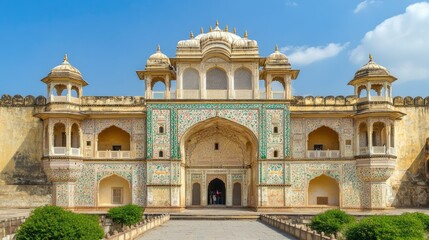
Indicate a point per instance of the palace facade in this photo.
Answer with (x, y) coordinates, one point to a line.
(216, 120)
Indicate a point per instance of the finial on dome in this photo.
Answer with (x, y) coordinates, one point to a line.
(217, 23)
(234, 30)
(245, 34)
(201, 30)
(210, 29)
(370, 57)
(226, 28)
(191, 35)
(158, 49)
(65, 58)
(276, 48)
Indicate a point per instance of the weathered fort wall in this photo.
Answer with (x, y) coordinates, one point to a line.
(409, 182)
(22, 180)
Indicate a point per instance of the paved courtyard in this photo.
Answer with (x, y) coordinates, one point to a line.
(213, 229)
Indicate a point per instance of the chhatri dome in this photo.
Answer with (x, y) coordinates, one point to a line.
(277, 58)
(372, 69)
(158, 59)
(65, 70)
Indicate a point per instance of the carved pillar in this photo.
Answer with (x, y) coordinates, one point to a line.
(148, 92)
(51, 138)
(369, 126)
(167, 87)
(374, 173)
(388, 127)
(231, 90)
(255, 78)
(63, 174)
(368, 89)
(268, 86)
(68, 98)
(68, 137)
(203, 90)
(288, 89)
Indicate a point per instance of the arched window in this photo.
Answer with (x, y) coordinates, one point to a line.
(362, 92)
(276, 153)
(161, 154)
(323, 138)
(191, 79)
(243, 79)
(276, 129)
(161, 129)
(158, 90)
(114, 190)
(59, 90)
(114, 138)
(323, 190)
(75, 136)
(75, 92)
(216, 79)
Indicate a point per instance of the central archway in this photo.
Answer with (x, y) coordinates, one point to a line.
(217, 153)
(216, 192)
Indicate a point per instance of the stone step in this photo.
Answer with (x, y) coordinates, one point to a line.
(213, 217)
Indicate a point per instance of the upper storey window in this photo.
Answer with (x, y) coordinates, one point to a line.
(243, 79)
(191, 79)
(216, 79)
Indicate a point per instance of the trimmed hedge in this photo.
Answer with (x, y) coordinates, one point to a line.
(52, 222)
(126, 215)
(407, 226)
(331, 221)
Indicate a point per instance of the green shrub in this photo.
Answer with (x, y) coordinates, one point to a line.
(386, 228)
(424, 218)
(126, 215)
(51, 222)
(331, 221)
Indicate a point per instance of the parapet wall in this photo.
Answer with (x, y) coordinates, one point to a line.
(111, 100)
(409, 101)
(20, 101)
(325, 101)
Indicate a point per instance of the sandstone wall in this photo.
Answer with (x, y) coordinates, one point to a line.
(409, 182)
(22, 180)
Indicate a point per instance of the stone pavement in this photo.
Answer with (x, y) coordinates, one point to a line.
(213, 230)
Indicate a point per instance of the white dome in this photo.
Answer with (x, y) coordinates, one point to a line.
(158, 59)
(65, 69)
(277, 58)
(372, 69)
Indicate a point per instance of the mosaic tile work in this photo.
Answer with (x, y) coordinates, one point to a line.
(183, 116)
(272, 173)
(158, 173)
(344, 173)
(86, 187)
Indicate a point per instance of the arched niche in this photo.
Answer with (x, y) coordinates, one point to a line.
(191, 79)
(323, 138)
(114, 138)
(242, 79)
(323, 190)
(113, 191)
(216, 79)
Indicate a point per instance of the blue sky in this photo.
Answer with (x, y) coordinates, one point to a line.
(109, 40)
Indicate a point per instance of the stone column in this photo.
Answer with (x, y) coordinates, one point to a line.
(68, 98)
(368, 89)
(51, 138)
(203, 91)
(68, 138)
(268, 87)
(388, 127)
(255, 78)
(231, 90)
(288, 90)
(167, 87)
(148, 93)
(369, 126)
(374, 173)
(63, 173)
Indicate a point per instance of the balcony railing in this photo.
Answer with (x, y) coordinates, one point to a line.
(277, 94)
(375, 98)
(58, 98)
(158, 95)
(262, 95)
(377, 150)
(63, 151)
(60, 150)
(113, 154)
(323, 153)
(243, 94)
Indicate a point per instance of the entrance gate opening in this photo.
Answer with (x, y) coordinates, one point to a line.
(216, 192)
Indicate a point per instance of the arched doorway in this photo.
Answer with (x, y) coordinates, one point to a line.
(113, 191)
(236, 194)
(216, 192)
(323, 190)
(196, 194)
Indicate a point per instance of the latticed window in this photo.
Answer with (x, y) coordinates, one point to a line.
(117, 195)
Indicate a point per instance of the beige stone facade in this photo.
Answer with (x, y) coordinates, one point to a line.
(218, 131)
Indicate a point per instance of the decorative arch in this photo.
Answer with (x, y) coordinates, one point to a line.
(216, 79)
(114, 136)
(323, 190)
(114, 190)
(191, 79)
(243, 79)
(106, 123)
(325, 136)
(210, 122)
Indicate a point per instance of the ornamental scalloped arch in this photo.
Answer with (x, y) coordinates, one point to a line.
(124, 175)
(190, 130)
(333, 124)
(329, 175)
(124, 124)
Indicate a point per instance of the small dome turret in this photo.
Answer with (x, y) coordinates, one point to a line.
(372, 69)
(65, 70)
(158, 59)
(277, 58)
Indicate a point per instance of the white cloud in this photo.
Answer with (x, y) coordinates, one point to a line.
(400, 43)
(291, 3)
(362, 5)
(306, 55)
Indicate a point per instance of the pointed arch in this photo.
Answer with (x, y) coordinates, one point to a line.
(114, 138)
(323, 190)
(113, 190)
